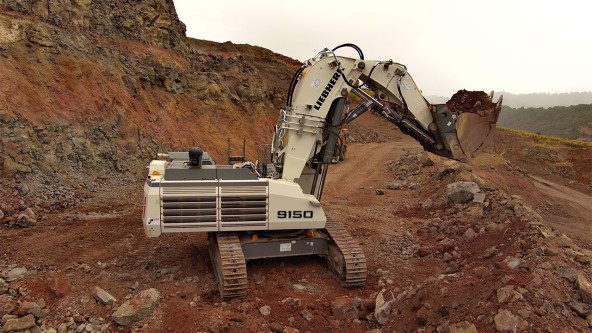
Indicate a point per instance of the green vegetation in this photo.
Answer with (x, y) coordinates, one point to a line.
(569, 122)
(545, 140)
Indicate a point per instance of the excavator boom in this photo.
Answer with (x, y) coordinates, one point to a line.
(307, 132)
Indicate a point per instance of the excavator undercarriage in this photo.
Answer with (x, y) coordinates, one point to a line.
(230, 251)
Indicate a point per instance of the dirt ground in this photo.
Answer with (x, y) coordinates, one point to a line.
(101, 243)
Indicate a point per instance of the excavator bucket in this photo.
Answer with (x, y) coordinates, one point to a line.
(475, 116)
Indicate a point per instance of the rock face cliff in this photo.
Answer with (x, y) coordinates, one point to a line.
(153, 22)
(93, 89)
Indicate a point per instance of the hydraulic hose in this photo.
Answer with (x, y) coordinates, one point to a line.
(353, 46)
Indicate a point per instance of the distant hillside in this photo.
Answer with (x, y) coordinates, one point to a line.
(544, 100)
(570, 122)
(534, 100)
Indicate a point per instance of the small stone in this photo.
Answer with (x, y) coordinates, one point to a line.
(25, 221)
(589, 320)
(506, 321)
(550, 252)
(490, 253)
(567, 272)
(428, 159)
(299, 288)
(462, 327)
(526, 212)
(306, 315)
(137, 308)
(16, 274)
(393, 186)
(344, 308)
(515, 263)
(24, 189)
(265, 310)
(524, 313)
(293, 302)
(479, 197)
(508, 294)
(7, 304)
(7, 209)
(585, 289)
(3, 286)
(451, 268)
(29, 212)
(7, 317)
(583, 259)
(448, 257)
(103, 296)
(33, 308)
(423, 251)
(581, 309)
(289, 329)
(427, 204)
(19, 324)
(85, 267)
(469, 235)
(382, 311)
(475, 213)
(564, 241)
(448, 244)
(379, 191)
(276, 327)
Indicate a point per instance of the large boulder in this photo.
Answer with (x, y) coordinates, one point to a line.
(137, 308)
(461, 192)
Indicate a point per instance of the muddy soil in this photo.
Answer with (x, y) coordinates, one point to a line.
(101, 243)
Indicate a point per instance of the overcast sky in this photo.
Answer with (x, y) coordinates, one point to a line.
(520, 46)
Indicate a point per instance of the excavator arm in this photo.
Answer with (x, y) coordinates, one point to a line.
(307, 131)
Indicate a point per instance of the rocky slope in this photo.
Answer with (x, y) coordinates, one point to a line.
(96, 88)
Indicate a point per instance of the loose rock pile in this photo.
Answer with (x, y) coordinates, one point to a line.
(523, 264)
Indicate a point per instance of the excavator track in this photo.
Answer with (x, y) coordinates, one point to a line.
(229, 265)
(346, 258)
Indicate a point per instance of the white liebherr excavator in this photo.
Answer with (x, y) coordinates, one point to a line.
(264, 210)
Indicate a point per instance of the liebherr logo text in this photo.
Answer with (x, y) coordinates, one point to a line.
(327, 90)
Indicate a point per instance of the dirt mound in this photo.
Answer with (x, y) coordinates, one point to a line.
(470, 101)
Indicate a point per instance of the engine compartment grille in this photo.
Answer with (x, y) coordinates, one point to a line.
(199, 206)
